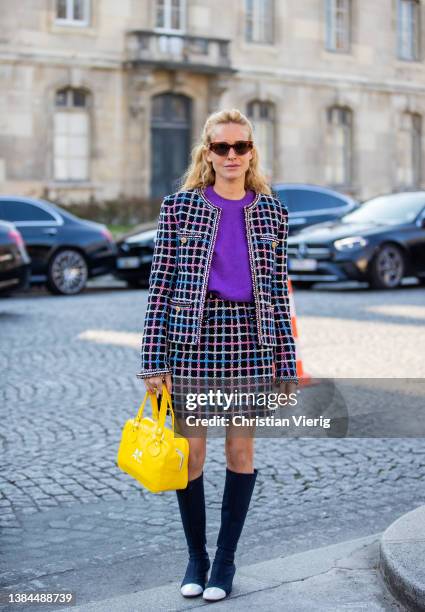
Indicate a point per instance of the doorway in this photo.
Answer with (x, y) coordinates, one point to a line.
(170, 137)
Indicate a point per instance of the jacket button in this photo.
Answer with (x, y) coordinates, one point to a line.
(178, 308)
(183, 239)
(274, 244)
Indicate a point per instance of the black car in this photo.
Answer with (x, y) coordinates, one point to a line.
(134, 257)
(307, 204)
(310, 204)
(65, 250)
(14, 259)
(380, 243)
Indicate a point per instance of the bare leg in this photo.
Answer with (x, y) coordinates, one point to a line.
(239, 449)
(197, 438)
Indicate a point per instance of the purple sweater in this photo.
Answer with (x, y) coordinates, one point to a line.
(230, 273)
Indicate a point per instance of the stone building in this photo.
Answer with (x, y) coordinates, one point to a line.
(103, 99)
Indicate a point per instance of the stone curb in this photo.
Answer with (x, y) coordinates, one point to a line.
(402, 559)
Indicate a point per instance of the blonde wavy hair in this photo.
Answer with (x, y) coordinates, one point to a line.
(201, 173)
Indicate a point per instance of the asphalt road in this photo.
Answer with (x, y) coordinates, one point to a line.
(70, 519)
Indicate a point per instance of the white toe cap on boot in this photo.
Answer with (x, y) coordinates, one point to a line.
(191, 590)
(214, 594)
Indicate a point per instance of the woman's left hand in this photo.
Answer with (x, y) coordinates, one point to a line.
(287, 387)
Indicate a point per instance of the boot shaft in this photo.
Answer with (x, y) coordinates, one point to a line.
(191, 502)
(237, 496)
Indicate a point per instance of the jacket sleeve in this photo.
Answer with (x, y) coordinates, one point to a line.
(154, 350)
(285, 349)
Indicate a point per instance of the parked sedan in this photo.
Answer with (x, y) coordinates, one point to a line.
(14, 259)
(310, 204)
(307, 204)
(65, 250)
(134, 258)
(380, 242)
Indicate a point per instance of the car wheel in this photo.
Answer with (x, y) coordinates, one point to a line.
(67, 273)
(387, 267)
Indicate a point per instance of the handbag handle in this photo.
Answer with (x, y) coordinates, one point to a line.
(142, 405)
(165, 401)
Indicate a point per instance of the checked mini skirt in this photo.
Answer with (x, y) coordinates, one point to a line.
(228, 357)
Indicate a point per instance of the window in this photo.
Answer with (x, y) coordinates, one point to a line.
(73, 12)
(259, 21)
(338, 25)
(170, 15)
(300, 199)
(409, 151)
(408, 29)
(71, 135)
(23, 211)
(338, 146)
(262, 116)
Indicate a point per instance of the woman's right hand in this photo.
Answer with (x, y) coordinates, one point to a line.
(154, 384)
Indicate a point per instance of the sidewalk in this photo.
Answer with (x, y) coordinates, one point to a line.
(343, 577)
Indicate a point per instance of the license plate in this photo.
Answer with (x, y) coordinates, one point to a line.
(128, 262)
(302, 264)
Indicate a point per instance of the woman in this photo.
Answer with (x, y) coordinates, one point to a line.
(218, 307)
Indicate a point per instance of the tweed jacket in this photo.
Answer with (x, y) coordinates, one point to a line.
(186, 235)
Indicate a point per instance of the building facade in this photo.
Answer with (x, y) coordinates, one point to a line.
(103, 99)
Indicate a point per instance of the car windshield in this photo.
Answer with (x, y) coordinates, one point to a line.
(304, 199)
(145, 236)
(391, 209)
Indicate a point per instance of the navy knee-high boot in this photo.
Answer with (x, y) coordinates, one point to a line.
(192, 509)
(237, 495)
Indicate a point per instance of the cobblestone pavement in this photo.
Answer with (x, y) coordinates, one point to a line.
(71, 519)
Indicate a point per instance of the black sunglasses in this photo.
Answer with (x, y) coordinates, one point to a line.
(240, 147)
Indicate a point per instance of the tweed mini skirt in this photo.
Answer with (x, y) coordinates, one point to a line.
(228, 358)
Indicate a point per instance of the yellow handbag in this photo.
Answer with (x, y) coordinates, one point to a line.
(152, 453)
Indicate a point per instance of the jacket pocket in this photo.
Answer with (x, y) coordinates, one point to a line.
(181, 321)
(266, 245)
(180, 303)
(269, 325)
(190, 251)
(267, 238)
(194, 233)
(189, 237)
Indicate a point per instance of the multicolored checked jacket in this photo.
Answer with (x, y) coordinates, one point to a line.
(187, 231)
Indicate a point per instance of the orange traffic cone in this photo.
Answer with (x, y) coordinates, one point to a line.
(304, 378)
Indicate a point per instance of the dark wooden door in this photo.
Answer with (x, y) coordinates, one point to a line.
(170, 138)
